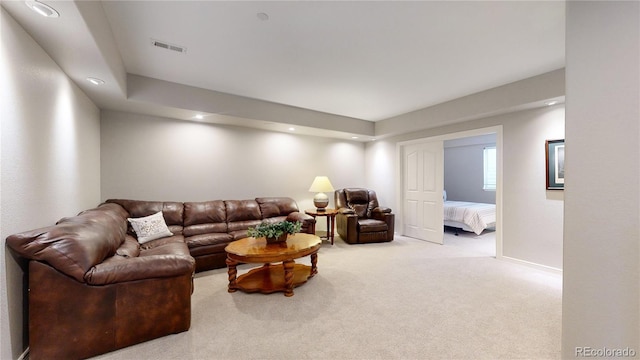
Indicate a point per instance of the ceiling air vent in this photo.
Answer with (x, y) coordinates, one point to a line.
(168, 46)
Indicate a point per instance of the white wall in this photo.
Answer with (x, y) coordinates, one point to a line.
(532, 216)
(381, 171)
(464, 169)
(50, 159)
(151, 158)
(601, 296)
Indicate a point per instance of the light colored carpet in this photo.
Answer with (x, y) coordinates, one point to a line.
(407, 299)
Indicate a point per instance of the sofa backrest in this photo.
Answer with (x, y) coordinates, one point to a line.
(75, 244)
(276, 206)
(362, 201)
(242, 214)
(204, 217)
(217, 216)
(172, 212)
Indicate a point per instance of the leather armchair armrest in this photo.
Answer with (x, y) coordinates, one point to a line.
(381, 209)
(381, 213)
(346, 211)
(389, 218)
(347, 225)
(114, 270)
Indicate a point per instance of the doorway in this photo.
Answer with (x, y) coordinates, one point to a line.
(421, 217)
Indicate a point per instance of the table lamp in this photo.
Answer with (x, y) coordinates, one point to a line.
(320, 185)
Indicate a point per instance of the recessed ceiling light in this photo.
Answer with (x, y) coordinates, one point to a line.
(292, 129)
(354, 137)
(550, 103)
(263, 16)
(42, 9)
(95, 81)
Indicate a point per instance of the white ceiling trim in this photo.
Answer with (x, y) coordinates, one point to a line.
(330, 67)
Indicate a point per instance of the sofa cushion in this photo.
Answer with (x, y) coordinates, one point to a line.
(362, 201)
(200, 240)
(176, 247)
(200, 229)
(276, 206)
(241, 233)
(130, 247)
(207, 250)
(150, 227)
(358, 200)
(275, 219)
(241, 210)
(116, 270)
(359, 209)
(241, 215)
(371, 225)
(204, 217)
(162, 241)
(357, 196)
(172, 212)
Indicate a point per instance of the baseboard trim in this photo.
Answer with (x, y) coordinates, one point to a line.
(532, 264)
(24, 355)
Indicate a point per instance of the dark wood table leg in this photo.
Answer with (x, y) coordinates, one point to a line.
(314, 224)
(288, 277)
(328, 227)
(232, 271)
(331, 219)
(314, 264)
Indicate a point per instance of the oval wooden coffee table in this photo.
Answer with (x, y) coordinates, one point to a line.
(272, 277)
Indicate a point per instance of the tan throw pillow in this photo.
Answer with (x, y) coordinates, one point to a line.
(150, 227)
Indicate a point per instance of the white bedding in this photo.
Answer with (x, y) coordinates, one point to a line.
(475, 216)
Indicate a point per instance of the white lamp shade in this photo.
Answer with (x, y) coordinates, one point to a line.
(321, 184)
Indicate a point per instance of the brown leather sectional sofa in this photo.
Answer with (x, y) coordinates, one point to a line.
(208, 227)
(93, 288)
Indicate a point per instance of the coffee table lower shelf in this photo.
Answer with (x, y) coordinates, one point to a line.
(271, 278)
(279, 272)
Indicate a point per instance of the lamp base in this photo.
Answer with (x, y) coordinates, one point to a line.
(320, 201)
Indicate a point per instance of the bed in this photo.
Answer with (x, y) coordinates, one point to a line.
(469, 216)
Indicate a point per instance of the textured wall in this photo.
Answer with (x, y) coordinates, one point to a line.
(153, 158)
(50, 159)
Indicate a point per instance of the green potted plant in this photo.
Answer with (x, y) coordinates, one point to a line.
(275, 232)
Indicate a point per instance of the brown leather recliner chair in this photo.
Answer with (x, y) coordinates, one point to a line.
(360, 219)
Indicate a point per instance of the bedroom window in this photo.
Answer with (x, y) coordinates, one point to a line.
(489, 155)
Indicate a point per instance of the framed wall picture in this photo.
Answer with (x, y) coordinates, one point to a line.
(554, 153)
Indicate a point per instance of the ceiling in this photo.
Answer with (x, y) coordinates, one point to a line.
(355, 60)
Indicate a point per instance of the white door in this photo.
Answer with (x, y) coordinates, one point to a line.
(423, 184)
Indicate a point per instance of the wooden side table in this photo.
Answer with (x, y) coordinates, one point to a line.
(330, 214)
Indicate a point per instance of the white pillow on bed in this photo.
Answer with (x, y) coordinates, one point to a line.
(150, 227)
